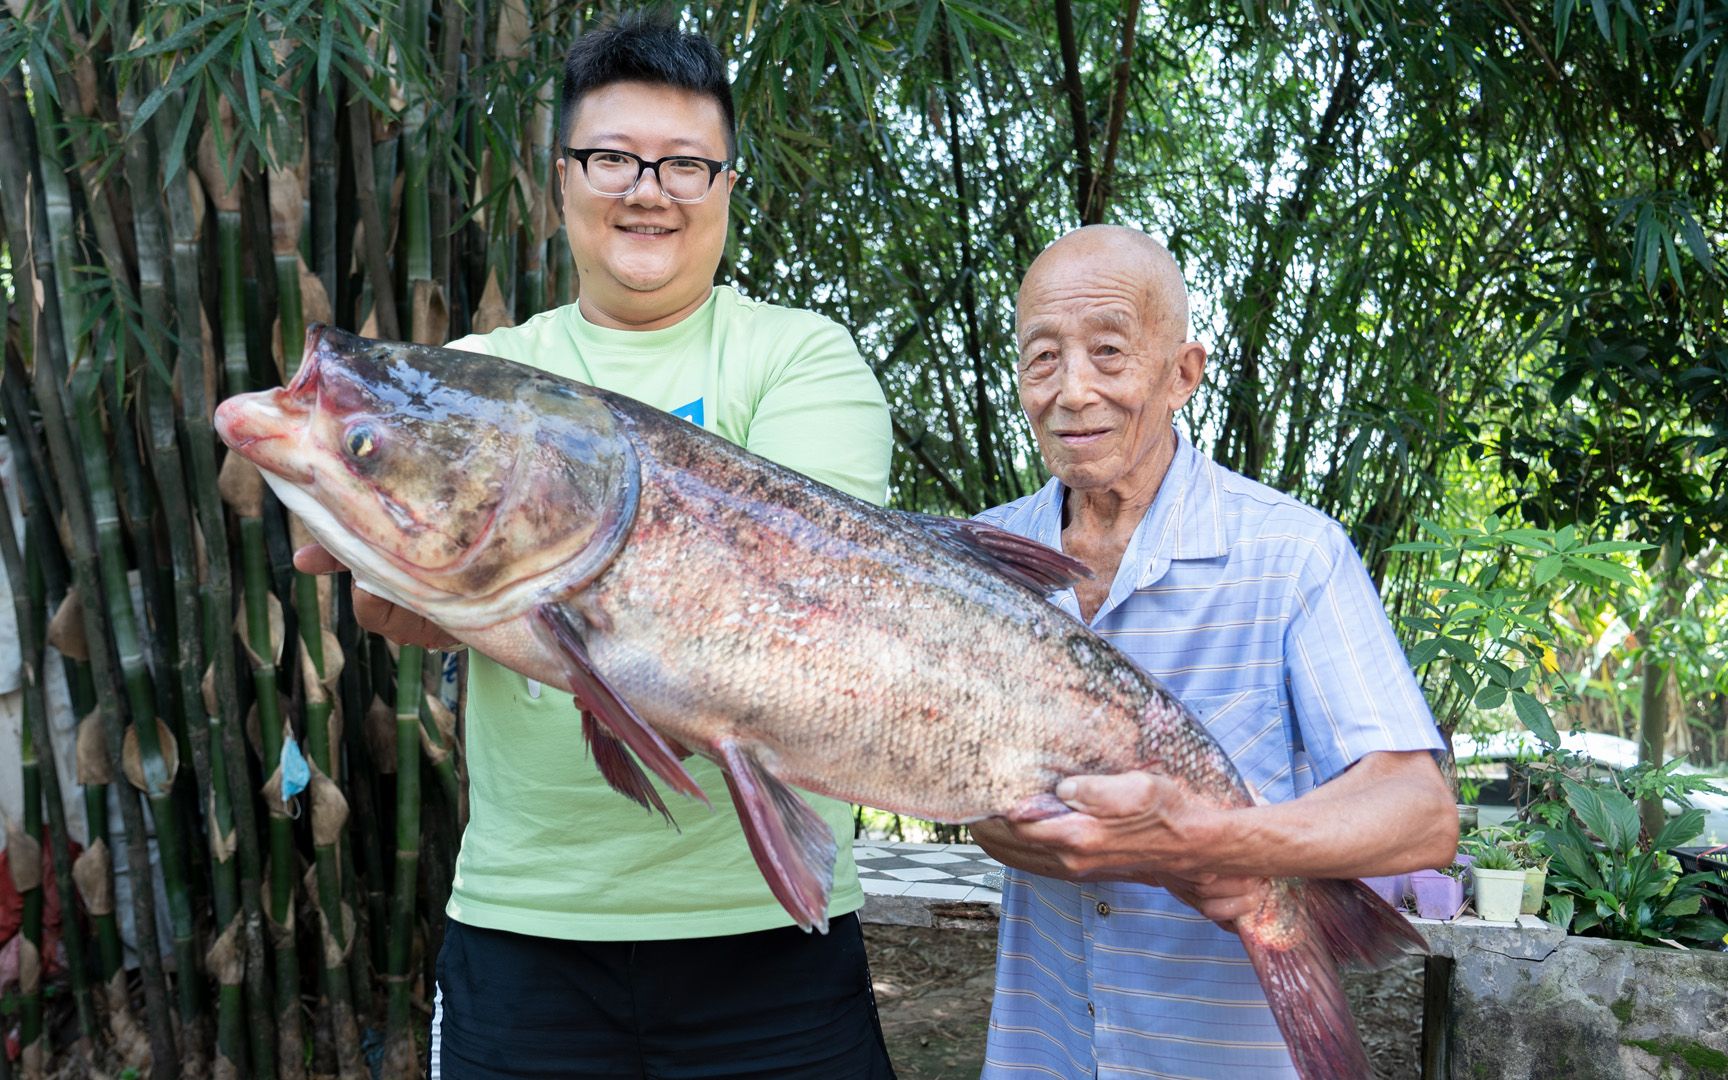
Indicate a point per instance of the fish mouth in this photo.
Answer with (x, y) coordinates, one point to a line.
(257, 426)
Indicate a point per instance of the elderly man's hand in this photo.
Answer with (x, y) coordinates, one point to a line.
(1134, 826)
(375, 613)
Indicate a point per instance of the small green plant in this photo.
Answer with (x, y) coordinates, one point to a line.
(1456, 871)
(1495, 857)
(1606, 880)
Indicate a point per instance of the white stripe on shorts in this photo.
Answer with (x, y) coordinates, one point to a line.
(437, 1028)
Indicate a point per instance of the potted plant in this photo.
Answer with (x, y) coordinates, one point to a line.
(1439, 894)
(1499, 882)
(1535, 884)
(1390, 888)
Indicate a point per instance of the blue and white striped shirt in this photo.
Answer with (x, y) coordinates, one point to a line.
(1257, 612)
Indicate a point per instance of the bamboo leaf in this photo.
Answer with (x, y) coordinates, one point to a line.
(182, 76)
(182, 37)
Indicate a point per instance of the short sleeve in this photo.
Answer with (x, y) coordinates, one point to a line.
(822, 413)
(1350, 684)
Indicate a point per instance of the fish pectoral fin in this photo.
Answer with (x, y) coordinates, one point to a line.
(611, 713)
(620, 769)
(1039, 567)
(1039, 807)
(793, 846)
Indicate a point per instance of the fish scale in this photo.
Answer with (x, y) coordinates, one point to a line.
(696, 598)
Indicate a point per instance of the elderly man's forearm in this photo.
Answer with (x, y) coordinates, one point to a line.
(1387, 814)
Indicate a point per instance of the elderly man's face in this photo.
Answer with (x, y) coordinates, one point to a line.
(643, 260)
(1100, 374)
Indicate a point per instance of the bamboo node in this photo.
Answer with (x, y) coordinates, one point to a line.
(273, 618)
(29, 966)
(281, 933)
(93, 875)
(66, 628)
(208, 689)
(92, 753)
(225, 194)
(24, 857)
(434, 753)
(380, 734)
(492, 311)
(222, 842)
(430, 313)
(271, 792)
(320, 688)
(329, 809)
(336, 953)
(314, 301)
(442, 718)
(225, 959)
(132, 760)
(287, 195)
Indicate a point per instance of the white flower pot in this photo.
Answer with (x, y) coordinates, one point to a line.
(1535, 881)
(1499, 893)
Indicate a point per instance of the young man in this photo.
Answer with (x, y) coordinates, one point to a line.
(587, 938)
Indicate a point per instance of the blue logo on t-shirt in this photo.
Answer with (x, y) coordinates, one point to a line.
(691, 412)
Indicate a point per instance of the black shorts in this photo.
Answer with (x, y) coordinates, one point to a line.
(774, 1005)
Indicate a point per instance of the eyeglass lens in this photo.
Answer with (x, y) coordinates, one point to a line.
(681, 178)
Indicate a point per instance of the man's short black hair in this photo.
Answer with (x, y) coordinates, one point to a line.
(646, 46)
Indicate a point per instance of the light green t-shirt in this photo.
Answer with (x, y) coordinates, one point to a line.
(550, 849)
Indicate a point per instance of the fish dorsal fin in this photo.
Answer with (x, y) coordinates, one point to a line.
(793, 846)
(615, 719)
(1039, 567)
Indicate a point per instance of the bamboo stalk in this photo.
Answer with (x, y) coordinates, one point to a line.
(246, 502)
(46, 561)
(400, 1053)
(237, 867)
(62, 343)
(329, 807)
(192, 622)
(324, 157)
(147, 697)
(24, 849)
(156, 772)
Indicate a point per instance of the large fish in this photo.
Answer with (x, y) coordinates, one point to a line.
(690, 594)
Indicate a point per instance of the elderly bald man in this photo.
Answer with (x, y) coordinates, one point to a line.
(1117, 954)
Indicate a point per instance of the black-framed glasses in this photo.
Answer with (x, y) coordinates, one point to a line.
(616, 173)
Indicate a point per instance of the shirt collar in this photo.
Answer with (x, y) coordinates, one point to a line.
(1185, 521)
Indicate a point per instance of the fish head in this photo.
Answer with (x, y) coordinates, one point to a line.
(453, 483)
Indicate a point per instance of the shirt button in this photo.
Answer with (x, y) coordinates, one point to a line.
(1103, 908)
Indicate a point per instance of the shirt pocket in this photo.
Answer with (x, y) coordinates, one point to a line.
(1249, 725)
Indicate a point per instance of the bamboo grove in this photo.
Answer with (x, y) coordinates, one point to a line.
(1417, 228)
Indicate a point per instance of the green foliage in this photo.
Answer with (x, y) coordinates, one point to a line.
(1486, 622)
(1605, 880)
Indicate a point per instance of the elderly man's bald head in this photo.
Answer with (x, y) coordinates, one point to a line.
(1115, 250)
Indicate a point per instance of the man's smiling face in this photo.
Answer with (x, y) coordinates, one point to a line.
(644, 261)
(1103, 365)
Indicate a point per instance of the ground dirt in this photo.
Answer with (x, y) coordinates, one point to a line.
(933, 991)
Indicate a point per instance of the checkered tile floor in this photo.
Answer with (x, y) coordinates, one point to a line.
(948, 872)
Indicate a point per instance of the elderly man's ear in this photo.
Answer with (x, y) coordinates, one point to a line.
(1186, 373)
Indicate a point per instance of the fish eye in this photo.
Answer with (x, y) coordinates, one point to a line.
(360, 441)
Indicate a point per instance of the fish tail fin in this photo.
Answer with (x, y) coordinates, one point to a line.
(1297, 960)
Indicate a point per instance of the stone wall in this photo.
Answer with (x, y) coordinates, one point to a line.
(1533, 1004)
